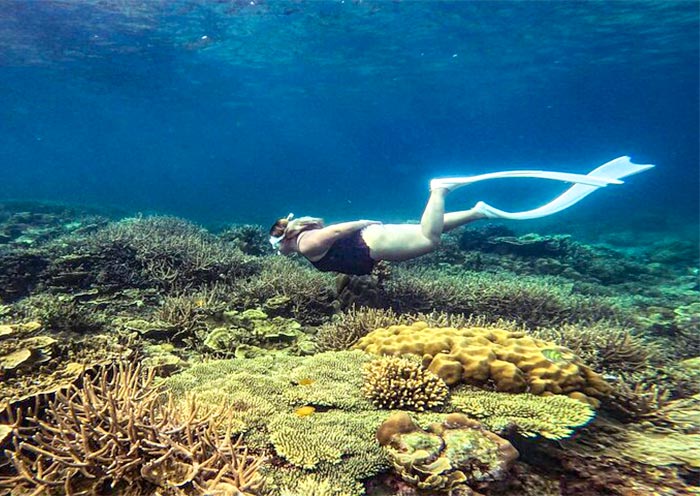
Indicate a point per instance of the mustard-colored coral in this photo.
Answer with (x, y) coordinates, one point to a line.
(394, 382)
(553, 417)
(511, 361)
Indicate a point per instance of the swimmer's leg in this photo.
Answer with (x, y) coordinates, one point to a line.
(454, 220)
(405, 241)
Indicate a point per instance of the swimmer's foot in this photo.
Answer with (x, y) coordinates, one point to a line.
(447, 184)
(486, 211)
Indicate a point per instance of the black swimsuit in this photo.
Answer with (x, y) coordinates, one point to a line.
(349, 255)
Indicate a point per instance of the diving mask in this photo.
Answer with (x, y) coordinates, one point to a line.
(276, 240)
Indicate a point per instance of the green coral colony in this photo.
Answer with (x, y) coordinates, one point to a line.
(150, 356)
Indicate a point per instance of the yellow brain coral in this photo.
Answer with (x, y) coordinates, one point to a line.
(394, 382)
(511, 361)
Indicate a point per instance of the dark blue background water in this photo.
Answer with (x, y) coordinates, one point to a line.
(242, 111)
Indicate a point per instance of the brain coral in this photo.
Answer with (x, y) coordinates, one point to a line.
(395, 382)
(511, 361)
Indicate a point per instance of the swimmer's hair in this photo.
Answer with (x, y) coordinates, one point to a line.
(290, 228)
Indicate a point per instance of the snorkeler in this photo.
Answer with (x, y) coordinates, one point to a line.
(355, 247)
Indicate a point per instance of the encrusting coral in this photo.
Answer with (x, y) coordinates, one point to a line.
(511, 361)
(116, 434)
(552, 417)
(395, 382)
(448, 455)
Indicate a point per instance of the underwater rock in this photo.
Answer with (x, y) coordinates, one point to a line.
(456, 452)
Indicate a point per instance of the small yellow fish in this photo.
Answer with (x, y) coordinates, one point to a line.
(306, 381)
(304, 411)
(555, 356)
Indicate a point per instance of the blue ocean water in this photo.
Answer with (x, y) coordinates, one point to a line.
(241, 111)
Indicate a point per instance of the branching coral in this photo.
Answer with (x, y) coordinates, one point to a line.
(347, 327)
(401, 383)
(604, 345)
(115, 434)
(310, 292)
(173, 254)
(532, 301)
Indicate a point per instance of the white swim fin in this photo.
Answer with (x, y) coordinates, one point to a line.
(609, 173)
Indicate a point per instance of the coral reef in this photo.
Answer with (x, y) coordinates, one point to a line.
(511, 361)
(263, 396)
(253, 328)
(605, 346)
(35, 361)
(401, 383)
(173, 253)
(448, 455)
(348, 326)
(552, 417)
(531, 301)
(310, 293)
(115, 434)
(249, 239)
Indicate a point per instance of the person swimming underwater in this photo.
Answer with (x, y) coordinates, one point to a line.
(355, 247)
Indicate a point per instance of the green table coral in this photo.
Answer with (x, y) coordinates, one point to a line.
(552, 417)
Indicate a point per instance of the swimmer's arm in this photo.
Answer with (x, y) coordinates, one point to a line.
(317, 241)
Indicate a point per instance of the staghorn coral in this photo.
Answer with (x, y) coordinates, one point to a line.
(115, 434)
(604, 345)
(511, 361)
(394, 382)
(530, 301)
(449, 455)
(552, 417)
(175, 254)
(249, 238)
